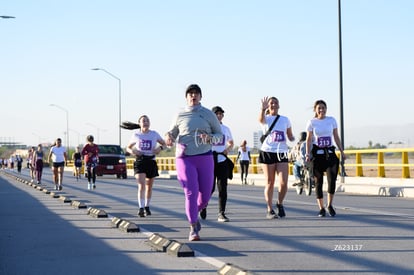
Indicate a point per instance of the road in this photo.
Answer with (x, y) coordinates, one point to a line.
(369, 235)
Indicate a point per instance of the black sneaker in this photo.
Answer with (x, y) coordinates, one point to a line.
(141, 212)
(147, 211)
(271, 215)
(280, 210)
(331, 211)
(222, 218)
(203, 213)
(322, 212)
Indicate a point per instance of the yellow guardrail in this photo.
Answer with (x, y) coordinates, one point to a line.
(382, 155)
(357, 160)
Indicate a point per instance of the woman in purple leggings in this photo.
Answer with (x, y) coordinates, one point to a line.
(193, 131)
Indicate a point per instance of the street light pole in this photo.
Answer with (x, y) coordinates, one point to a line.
(341, 103)
(67, 123)
(119, 99)
(7, 17)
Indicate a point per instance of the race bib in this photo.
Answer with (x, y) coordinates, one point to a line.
(278, 136)
(218, 141)
(145, 145)
(324, 142)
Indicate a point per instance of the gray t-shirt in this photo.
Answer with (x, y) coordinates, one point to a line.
(187, 127)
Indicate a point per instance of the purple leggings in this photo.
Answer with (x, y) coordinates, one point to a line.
(196, 175)
(39, 169)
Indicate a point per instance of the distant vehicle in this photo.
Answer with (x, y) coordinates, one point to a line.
(112, 161)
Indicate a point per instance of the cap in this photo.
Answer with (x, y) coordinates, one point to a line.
(89, 138)
(193, 87)
(216, 109)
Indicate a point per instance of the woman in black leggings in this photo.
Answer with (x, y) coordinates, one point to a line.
(322, 131)
(244, 157)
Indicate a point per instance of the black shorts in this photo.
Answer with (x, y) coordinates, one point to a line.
(59, 164)
(272, 158)
(146, 165)
(78, 163)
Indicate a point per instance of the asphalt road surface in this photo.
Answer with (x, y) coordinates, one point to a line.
(40, 234)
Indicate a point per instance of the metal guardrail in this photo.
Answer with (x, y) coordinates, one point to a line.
(377, 159)
(356, 161)
(382, 155)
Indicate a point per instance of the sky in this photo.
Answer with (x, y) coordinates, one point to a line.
(238, 51)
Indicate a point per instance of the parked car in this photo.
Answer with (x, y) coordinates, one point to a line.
(112, 161)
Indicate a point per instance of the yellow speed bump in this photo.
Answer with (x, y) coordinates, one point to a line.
(159, 242)
(97, 213)
(179, 249)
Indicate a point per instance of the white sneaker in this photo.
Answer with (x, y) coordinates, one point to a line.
(89, 186)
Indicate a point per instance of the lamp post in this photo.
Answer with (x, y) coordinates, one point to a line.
(119, 99)
(67, 123)
(341, 103)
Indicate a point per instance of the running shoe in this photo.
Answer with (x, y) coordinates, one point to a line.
(271, 215)
(141, 212)
(60, 187)
(194, 229)
(203, 213)
(193, 236)
(331, 211)
(94, 186)
(147, 211)
(280, 210)
(222, 218)
(322, 212)
(89, 186)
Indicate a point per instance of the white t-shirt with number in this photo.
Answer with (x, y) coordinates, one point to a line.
(145, 142)
(322, 130)
(275, 142)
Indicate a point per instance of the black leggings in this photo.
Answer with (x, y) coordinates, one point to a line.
(325, 163)
(90, 168)
(244, 166)
(221, 173)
